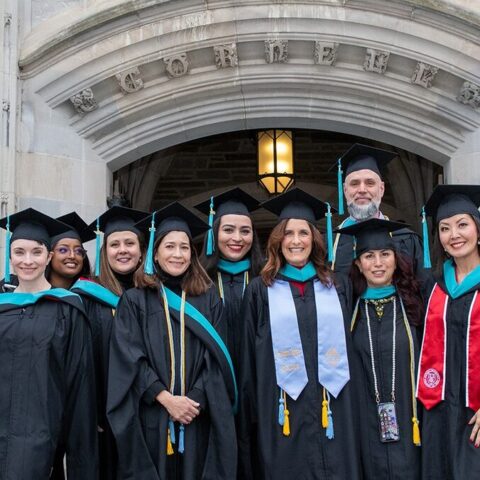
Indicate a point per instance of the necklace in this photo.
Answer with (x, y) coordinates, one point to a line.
(380, 304)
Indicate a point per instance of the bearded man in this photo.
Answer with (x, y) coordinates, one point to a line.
(363, 189)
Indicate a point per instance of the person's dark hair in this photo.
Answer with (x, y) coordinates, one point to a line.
(195, 281)
(107, 277)
(275, 258)
(439, 254)
(404, 280)
(210, 263)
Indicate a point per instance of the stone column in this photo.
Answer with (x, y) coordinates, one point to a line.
(464, 164)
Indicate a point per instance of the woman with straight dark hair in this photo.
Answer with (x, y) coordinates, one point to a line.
(295, 417)
(385, 338)
(231, 256)
(449, 377)
(172, 390)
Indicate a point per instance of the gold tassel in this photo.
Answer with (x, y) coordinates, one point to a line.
(416, 432)
(169, 444)
(325, 413)
(286, 423)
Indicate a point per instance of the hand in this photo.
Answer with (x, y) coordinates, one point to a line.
(475, 435)
(181, 409)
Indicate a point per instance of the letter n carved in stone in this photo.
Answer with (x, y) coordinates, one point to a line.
(276, 51)
(376, 60)
(424, 74)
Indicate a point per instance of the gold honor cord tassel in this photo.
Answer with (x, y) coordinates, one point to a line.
(286, 423)
(169, 444)
(324, 410)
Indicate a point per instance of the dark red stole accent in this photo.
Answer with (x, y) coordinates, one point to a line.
(432, 365)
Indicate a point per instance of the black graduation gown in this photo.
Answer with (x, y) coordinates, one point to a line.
(384, 461)
(47, 390)
(140, 369)
(100, 316)
(406, 241)
(447, 451)
(232, 323)
(307, 454)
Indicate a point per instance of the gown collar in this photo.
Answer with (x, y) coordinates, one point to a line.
(303, 274)
(234, 268)
(455, 290)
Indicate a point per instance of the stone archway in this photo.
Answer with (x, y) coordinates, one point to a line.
(122, 80)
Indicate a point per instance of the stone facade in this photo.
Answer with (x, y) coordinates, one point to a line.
(89, 86)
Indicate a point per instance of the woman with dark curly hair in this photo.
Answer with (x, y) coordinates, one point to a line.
(385, 339)
(231, 256)
(296, 418)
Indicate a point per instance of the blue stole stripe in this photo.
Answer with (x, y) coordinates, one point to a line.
(234, 268)
(96, 291)
(23, 299)
(174, 301)
(454, 289)
(299, 274)
(375, 293)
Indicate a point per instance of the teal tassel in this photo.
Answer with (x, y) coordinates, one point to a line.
(210, 240)
(97, 249)
(281, 410)
(148, 268)
(7, 251)
(354, 248)
(341, 210)
(181, 440)
(426, 248)
(330, 433)
(329, 233)
(171, 428)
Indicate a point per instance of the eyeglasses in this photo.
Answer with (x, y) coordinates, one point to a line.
(77, 251)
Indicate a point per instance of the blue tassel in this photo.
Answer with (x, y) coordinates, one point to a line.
(210, 239)
(426, 248)
(354, 248)
(7, 251)
(341, 210)
(281, 410)
(329, 233)
(330, 433)
(171, 428)
(148, 268)
(97, 249)
(181, 440)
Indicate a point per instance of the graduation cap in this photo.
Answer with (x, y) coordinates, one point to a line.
(79, 229)
(447, 201)
(361, 157)
(115, 219)
(29, 224)
(373, 234)
(232, 202)
(172, 218)
(298, 204)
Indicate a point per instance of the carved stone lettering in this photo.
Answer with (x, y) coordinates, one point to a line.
(176, 65)
(376, 60)
(276, 51)
(424, 74)
(84, 101)
(130, 80)
(326, 53)
(226, 55)
(470, 95)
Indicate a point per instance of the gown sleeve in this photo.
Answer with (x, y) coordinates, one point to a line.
(247, 417)
(130, 377)
(80, 424)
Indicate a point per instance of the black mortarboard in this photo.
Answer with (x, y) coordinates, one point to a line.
(29, 224)
(449, 200)
(232, 202)
(373, 234)
(115, 219)
(172, 218)
(296, 203)
(79, 229)
(361, 157)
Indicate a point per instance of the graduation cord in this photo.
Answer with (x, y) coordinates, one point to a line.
(171, 425)
(283, 413)
(220, 284)
(415, 421)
